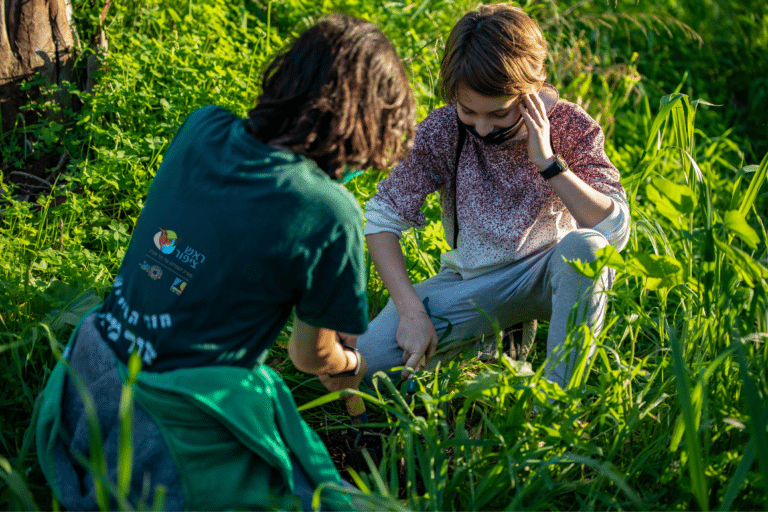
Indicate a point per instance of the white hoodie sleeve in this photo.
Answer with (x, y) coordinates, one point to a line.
(615, 227)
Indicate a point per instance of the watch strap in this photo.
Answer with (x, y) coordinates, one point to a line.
(557, 167)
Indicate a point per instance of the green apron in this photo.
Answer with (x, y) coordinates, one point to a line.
(230, 431)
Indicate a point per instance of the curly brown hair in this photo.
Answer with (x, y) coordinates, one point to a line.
(496, 50)
(339, 95)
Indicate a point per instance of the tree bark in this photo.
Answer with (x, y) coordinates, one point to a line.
(35, 36)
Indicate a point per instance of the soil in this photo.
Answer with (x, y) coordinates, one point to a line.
(346, 454)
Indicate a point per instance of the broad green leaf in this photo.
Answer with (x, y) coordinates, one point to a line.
(607, 256)
(73, 311)
(654, 265)
(660, 272)
(735, 222)
(681, 197)
(670, 200)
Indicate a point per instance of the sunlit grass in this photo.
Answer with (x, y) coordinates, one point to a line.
(674, 411)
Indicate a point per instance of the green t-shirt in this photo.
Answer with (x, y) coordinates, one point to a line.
(234, 234)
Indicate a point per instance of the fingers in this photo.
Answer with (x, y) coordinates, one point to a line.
(534, 113)
(538, 104)
(431, 349)
(532, 108)
(412, 364)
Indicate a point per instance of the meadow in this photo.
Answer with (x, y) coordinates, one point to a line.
(675, 411)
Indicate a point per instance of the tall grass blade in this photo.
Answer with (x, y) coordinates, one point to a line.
(757, 413)
(692, 441)
(754, 185)
(668, 103)
(17, 486)
(605, 470)
(125, 441)
(739, 477)
(98, 461)
(98, 464)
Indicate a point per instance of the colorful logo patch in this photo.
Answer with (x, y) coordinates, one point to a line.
(153, 271)
(178, 286)
(166, 240)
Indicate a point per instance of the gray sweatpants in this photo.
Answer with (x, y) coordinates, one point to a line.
(541, 286)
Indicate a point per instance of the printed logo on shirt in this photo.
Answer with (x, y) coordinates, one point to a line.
(178, 286)
(166, 240)
(154, 271)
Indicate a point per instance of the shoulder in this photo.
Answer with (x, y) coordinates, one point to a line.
(210, 116)
(440, 125)
(338, 200)
(572, 117)
(324, 198)
(442, 116)
(202, 125)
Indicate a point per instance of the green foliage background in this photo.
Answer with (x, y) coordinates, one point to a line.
(675, 411)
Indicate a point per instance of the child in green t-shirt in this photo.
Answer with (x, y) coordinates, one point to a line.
(243, 224)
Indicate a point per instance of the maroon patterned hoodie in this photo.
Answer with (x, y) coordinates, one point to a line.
(506, 210)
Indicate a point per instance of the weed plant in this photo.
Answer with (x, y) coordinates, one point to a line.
(674, 412)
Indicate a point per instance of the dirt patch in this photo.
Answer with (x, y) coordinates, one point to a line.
(346, 454)
(346, 449)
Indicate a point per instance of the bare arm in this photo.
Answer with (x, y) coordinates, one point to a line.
(388, 257)
(416, 333)
(317, 350)
(588, 206)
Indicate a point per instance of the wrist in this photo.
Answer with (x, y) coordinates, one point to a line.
(545, 164)
(414, 313)
(557, 166)
(410, 308)
(352, 367)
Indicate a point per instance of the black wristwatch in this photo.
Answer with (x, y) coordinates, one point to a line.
(354, 371)
(558, 166)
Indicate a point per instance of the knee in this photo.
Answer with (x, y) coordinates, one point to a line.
(582, 245)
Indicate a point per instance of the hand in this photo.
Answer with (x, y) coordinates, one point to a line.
(343, 382)
(417, 337)
(539, 145)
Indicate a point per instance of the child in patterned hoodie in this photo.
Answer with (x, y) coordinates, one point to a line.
(524, 183)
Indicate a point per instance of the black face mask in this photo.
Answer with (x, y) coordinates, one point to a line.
(498, 136)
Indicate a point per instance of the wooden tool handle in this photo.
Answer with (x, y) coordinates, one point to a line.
(355, 406)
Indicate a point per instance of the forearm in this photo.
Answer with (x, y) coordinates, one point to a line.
(387, 256)
(588, 206)
(317, 350)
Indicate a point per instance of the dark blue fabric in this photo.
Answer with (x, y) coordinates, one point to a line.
(153, 465)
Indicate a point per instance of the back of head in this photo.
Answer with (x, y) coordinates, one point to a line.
(339, 95)
(496, 50)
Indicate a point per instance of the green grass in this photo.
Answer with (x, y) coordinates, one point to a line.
(674, 412)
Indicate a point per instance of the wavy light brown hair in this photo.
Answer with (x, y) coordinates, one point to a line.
(339, 95)
(496, 50)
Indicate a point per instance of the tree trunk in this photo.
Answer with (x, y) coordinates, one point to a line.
(35, 36)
